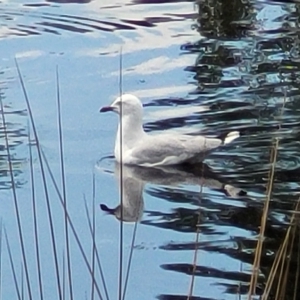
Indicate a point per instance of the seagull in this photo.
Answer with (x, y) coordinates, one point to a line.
(151, 150)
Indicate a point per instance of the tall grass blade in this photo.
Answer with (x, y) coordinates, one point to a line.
(15, 200)
(95, 251)
(61, 150)
(12, 265)
(273, 272)
(130, 259)
(191, 288)
(121, 178)
(1, 258)
(101, 274)
(71, 224)
(64, 276)
(93, 245)
(257, 258)
(282, 266)
(22, 282)
(298, 266)
(35, 221)
(258, 251)
(93, 233)
(49, 213)
(287, 261)
(280, 257)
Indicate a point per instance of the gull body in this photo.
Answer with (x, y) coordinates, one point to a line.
(163, 149)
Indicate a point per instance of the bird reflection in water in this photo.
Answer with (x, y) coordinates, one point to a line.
(134, 179)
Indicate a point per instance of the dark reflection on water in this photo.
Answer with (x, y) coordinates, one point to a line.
(210, 272)
(247, 72)
(16, 133)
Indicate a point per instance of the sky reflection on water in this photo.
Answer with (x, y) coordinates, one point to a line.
(227, 67)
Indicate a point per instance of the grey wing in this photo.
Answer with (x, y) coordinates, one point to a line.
(200, 147)
(160, 150)
(201, 144)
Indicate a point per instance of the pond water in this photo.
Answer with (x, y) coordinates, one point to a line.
(205, 66)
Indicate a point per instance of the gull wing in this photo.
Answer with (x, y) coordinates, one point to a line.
(166, 149)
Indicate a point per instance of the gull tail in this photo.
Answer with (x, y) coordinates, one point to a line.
(230, 137)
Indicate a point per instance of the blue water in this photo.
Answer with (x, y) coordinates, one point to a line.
(170, 65)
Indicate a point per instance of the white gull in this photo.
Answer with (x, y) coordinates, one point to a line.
(163, 149)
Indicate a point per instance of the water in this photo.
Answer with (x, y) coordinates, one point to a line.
(215, 67)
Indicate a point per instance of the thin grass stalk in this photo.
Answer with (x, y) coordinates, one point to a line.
(121, 178)
(93, 232)
(35, 222)
(49, 212)
(12, 265)
(63, 276)
(282, 283)
(287, 265)
(273, 272)
(87, 212)
(298, 267)
(96, 252)
(22, 282)
(258, 251)
(284, 245)
(15, 200)
(130, 259)
(191, 288)
(283, 264)
(1, 258)
(71, 223)
(256, 264)
(97, 256)
(240, 283)
(63, 182)
(101, 274)
(293, 225)
(278, 258)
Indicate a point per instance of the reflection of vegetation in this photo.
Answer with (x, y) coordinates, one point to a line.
(249, 75)
(224, 18)
(221, 24)
(212, 217)
(286, 254)
(245, 81)
(16, 133)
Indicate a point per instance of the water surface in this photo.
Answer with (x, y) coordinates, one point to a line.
(197, 68)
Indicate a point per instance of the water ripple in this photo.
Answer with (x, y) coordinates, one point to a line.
(56, 23)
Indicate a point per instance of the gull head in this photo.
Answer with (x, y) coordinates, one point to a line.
(126, 104)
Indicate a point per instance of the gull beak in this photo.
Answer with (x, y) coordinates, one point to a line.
(106, 108)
